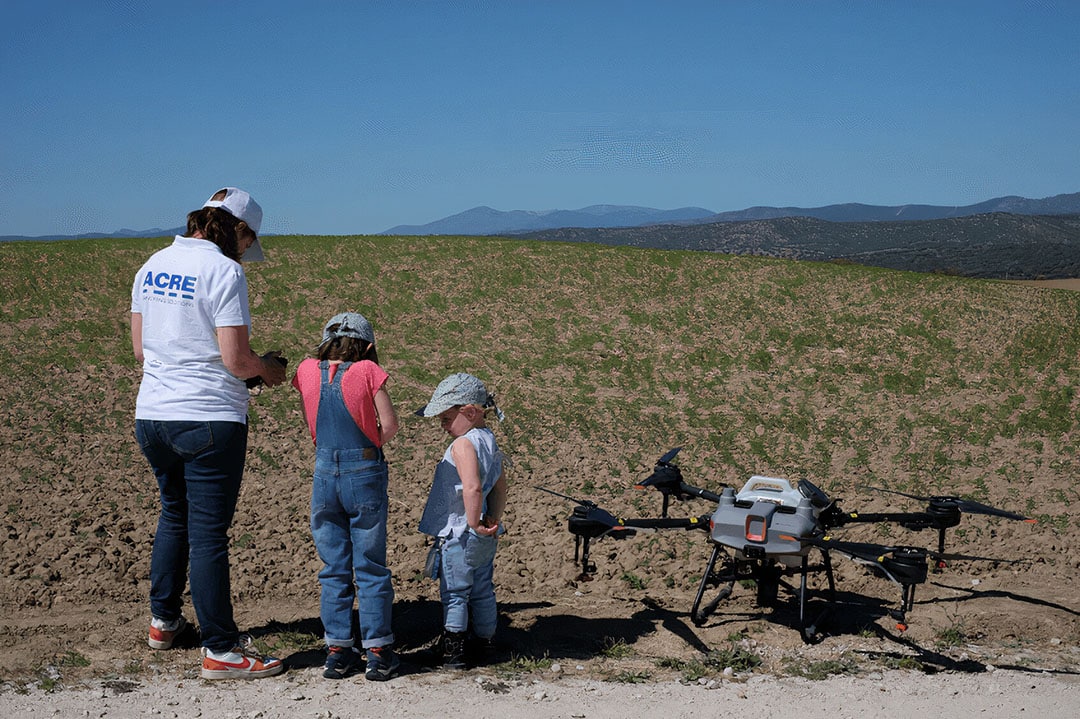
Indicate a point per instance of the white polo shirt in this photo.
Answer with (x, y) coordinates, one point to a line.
(184, 293)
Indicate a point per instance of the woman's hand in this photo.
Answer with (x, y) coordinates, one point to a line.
(487, 528)
(273, 372)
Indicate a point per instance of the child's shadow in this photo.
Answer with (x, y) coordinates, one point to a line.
(417, 630)
(417, 627)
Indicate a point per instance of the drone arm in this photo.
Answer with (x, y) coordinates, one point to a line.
(698, 492)
(687, 523)
(910, 520)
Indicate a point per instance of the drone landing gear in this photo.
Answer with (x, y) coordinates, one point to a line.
(809, 631)
(728, 574)
(581, 548)
(768, 577)
(908, 568)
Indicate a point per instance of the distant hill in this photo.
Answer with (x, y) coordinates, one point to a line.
(123, 232)
(488, 221)
(993, 245)
(854, 212)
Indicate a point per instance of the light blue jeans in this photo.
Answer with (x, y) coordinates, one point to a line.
(466, 584)
(348, 523)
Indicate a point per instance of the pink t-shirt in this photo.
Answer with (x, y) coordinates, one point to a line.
(359, 385)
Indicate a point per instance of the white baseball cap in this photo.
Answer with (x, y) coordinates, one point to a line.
(242, 206)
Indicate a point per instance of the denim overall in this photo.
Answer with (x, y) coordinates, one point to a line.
(466, 559)
(348, 522)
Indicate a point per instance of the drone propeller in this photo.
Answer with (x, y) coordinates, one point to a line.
(590, 512)
(958, 503)
(587, 522)
(669, 455)
(575, 500)
(873, 552)
(666, 478)
(863, 550)
(903, 565)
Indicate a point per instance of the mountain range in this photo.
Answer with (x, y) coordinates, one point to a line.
(1006, 237)
(487, 221)
(122, 233)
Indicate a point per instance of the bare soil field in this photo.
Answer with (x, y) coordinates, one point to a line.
(985, 637)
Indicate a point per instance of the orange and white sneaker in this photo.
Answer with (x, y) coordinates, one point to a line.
(163, 633)
(243, 662)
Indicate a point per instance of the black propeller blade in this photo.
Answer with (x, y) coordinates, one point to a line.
(592, 513)
(875, 552)
(669, 455)
(864, 550)
(964, 505)
(664, 474)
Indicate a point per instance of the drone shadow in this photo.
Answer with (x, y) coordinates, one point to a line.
(973, 594)
(931, 661)
(847, 614)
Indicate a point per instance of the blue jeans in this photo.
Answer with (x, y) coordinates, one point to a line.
(198, 466)
(466, 583)
(348, 523)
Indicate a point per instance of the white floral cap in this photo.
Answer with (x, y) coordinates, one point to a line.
(456, 390)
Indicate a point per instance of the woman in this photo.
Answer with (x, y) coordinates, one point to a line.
(189, 328)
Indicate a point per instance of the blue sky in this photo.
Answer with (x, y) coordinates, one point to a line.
(353, 117)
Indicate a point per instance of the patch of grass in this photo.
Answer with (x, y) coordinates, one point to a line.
(521, 665)
(738, 658)
(616, 648)
(902, 662)
(73, 658)
(951, 636)
(628, 677)
(290, 642)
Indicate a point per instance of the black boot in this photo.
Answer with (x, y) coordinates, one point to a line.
(479, 651)
(454, 650)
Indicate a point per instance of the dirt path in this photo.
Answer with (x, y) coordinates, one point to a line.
(894, 694)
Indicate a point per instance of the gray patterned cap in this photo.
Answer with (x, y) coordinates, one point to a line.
(349, 324)
(456, 390)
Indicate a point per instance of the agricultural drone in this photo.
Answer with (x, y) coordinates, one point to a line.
(766, 531)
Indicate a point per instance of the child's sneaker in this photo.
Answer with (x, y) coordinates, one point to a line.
(382, 664)
(454, 650)
(479, 650)
(163, 633)
(341, 662)
(243, 662)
